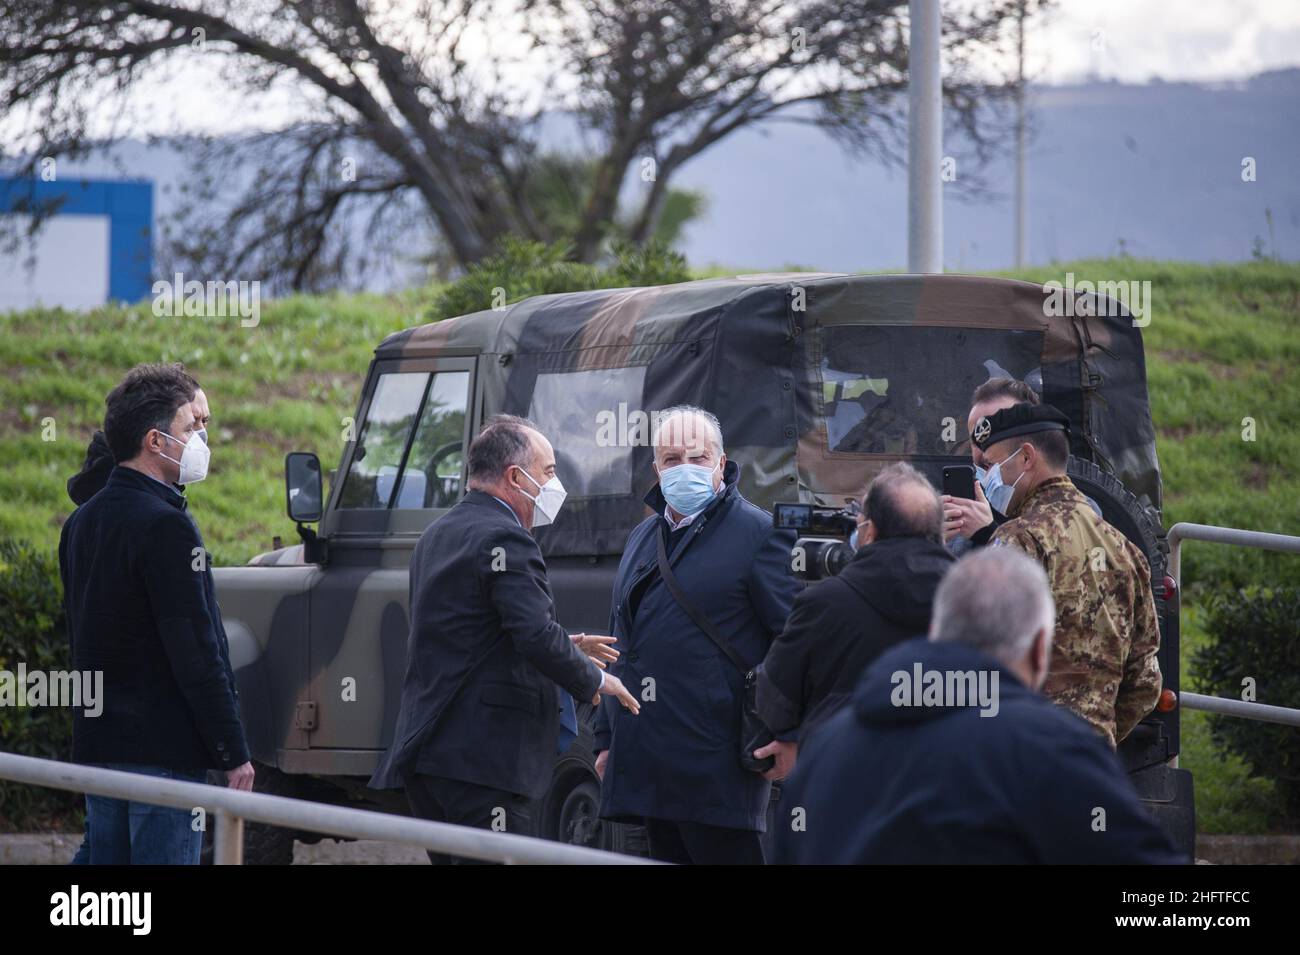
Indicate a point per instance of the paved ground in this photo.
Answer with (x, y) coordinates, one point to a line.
(58, 849)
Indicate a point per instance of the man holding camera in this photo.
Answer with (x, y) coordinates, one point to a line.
(840, 625)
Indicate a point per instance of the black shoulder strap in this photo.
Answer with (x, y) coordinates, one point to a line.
(701, 621)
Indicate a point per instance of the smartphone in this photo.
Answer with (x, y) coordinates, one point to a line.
(959, 481)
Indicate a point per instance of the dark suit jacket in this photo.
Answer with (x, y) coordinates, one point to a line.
(142, 608)
(479, 701)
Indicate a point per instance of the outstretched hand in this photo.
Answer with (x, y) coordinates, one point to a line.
(597, 646)
(614, 687)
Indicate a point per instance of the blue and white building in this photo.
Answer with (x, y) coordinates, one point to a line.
(96, 247)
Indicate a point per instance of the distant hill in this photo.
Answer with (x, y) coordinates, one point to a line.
(1152, 170)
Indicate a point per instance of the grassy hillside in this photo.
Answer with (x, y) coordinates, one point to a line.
(284, 385)
(1223, 345)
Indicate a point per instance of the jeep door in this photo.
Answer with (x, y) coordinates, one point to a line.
(404, 469)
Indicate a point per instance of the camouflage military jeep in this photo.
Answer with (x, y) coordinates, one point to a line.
(819, 380)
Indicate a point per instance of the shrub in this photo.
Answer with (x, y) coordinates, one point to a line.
(1252, 642)
(519, 269)
(32, 631)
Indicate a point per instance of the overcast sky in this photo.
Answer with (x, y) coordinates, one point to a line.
(1131, 41)
(1136, 40)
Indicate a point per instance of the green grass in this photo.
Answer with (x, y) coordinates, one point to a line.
(1228, 798)
(286, 384)
(1221, 346)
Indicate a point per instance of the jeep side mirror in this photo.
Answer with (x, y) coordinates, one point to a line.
(304, 494)
(305, 500)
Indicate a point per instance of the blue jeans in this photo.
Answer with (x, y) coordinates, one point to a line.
(83, 851)
(124, 832)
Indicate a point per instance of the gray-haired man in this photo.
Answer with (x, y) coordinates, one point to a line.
(676, 767)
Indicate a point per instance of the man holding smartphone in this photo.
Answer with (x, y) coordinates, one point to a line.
(970, 521)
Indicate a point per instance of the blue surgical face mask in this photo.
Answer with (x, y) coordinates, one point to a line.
(688, 488)
(998, 494)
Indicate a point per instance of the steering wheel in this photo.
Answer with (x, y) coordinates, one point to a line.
(435, 494)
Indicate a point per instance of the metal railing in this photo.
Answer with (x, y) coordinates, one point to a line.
(1240, 538)
(1222, 535)
(231, 807)
(1244, 708)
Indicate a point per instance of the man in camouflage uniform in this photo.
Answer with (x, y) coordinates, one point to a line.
(1103, 663)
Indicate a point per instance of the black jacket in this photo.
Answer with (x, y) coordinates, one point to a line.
(841, 624)
(679, 758)
(142, 608)
(94, 472)
(882, 782)
(479, 701)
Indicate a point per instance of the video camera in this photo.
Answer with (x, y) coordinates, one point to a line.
(822, 549)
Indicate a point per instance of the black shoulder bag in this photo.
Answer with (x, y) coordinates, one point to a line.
(754, 734)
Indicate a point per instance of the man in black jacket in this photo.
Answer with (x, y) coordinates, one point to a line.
(142, 609)
(98, 465)
(839, 625)
(479, 721)
(949, 754)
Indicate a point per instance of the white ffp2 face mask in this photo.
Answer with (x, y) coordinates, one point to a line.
(194, 459)
(550, 497)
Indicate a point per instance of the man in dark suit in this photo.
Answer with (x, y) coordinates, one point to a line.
(476, 733)
(142, 609)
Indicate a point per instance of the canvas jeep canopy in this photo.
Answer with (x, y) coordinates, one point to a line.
(819, 380)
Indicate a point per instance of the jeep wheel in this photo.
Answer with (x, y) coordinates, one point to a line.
(1121, 510)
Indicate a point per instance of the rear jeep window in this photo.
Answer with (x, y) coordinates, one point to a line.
(887, 389)
(592, 418)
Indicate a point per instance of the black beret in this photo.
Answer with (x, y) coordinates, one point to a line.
(1017, 420)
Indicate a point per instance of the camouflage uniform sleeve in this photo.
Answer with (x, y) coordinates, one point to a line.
(1015, 533)
(1140, 688)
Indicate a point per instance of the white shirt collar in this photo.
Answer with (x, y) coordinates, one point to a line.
(678, 525)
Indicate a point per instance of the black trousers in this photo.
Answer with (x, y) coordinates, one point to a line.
(468, 804)
(694, 843)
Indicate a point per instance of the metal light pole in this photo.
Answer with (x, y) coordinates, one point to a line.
(1020, 136)
(924, 139)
